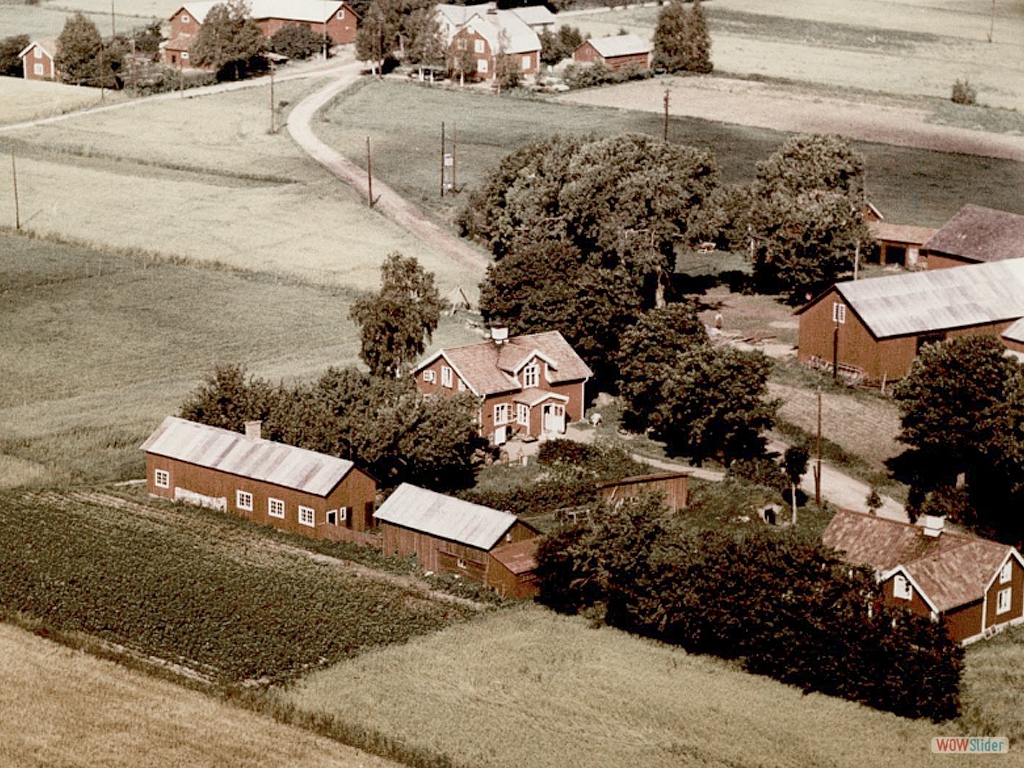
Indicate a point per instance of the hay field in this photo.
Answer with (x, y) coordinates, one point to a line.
(30, 99)
(201, 178)
(530, 688)
(45, 21)
(906, 47)
(64, 707)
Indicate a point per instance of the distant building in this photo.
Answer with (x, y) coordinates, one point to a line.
(271, 483)
(38, 60)
(482, 34)
(976, 235)
(899, 243)
(876, 327)
(529, 385)
(973, 585)
(618, 52)
(449, 535)
(675, 486)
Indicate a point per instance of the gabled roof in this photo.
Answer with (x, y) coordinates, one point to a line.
(519, 557)
(951, 569)
(900, 233)
(535, 15)
(619, 45)
(489, 368)
(980, 234)
(233, 453)
(489, 24)
(316, 11)
(935, 300)
(445, 517)
(49, 48)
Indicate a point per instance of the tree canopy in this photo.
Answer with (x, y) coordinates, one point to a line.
(229, 41)
(806, 216)
(398, 29)
(10, 47)
(78, 51)
(681, 39)
(583, 231)
(703, 401)
(397, 321)
(558, 45)
(296, 41)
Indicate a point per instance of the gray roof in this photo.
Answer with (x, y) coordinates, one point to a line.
(490, 24)
(1015, 332)
(316, 11)
(939, 299)
(980, 234)
(535, 15)
(445, 517)
(619, 45)
(233, 453)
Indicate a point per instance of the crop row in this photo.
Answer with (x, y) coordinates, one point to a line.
(165, 592)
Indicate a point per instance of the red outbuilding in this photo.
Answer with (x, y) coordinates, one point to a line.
(618, 52)
(37, 60)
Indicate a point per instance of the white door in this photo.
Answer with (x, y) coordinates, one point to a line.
(500, 435)
(554, 418)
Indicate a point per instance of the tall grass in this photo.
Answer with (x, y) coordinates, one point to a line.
(994, 686)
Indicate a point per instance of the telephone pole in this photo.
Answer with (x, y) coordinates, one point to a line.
(369, 175)
(817, 466)
(273, 124)
(17, 207)
(442, 158)
(665, 136)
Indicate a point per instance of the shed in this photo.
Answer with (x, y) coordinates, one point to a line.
(976, 235)
(674, 485)
(38, 60)
(449, 535)
(271, 483)
(617, 52)
(899, 243)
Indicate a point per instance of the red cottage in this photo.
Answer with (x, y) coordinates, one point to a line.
(449, 535)
(271, 483)
(618, 52)
(529, 385)
(973, 585)
(37, 60)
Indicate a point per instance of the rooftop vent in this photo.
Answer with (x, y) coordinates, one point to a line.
(254, 431)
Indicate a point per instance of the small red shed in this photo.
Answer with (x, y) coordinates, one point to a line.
(618, 52)
(674, 485)
(37, 60)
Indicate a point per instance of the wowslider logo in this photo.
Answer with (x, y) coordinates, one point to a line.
(971, 745)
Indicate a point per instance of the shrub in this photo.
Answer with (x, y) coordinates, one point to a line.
(10, 47)
(590, 75)
(964, 92)
(296, 41)
(761, 470)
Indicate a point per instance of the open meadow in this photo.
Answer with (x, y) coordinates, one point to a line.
(65, 707)
(908, 185)
(33, 99)
(530, 688)
(98, 348)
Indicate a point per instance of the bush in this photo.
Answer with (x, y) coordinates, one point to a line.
(296, 41)
(590, 75)
(762, 471)
(964, 92)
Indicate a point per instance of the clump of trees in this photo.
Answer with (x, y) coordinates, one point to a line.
(83, 58)
(962, 415)
(681, 39)
(786, 608)
(230, 42)
(296, 41)
(583, 232)
(560, 44)
(382, 424)
(395, 30)
(705, 402)
(10, 47)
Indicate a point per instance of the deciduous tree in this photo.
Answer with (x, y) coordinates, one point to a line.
(296, 41)
(10, 47)
(681, 39)
(397, 321)
(229, 40)
(78, 51)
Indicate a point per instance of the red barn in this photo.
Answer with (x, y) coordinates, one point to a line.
(37, 60)
(973, 585)
(271, 483)
(875, 327)
(529, 385)
(618, 52)
(976, 235)
(449, 535)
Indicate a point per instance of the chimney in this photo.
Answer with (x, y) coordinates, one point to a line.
(492, 7)
(933, 525)
(499, 334)
(254, 431)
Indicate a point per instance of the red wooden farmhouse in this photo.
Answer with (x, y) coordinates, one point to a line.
(529, 385)
(271, 483)
(973, 585)
(483, 34)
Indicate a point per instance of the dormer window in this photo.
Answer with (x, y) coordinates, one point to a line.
(531, 375)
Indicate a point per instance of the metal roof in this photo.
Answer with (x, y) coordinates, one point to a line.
(939, 299)
(535, 15)
(235, 454)
(445, 517)
(619, 45)
(1015, 332)
(317, 11)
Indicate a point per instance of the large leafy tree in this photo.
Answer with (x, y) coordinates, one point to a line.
(558, 45)
(10, 47)
(703, 401)
(296, 41)
(806, 218)
(583, 232)
(78, 51)
(425, 47)
(681, 39)
(397, 321)
(390, 27)
(229, 40)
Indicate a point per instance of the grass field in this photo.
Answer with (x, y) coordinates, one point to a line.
(97, 349)
(64, 707)
(31, 99)
(995, 686)
(910, 185)
(45, 20)
(529, 688)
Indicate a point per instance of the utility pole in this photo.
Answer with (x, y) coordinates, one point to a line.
(181, 81)
(992, 22)
(442, 158)
(101, 71)
(273, 125)
(665, 133)
(817, 466)
(17, 207)
(113, 29)
(369, 175)
(135, 92)
(455, 134)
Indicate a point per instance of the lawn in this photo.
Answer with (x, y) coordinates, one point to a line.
(65, 707)
(995, 686)
(97, 349)
(919, 186)
(530, 688)
(30, 99)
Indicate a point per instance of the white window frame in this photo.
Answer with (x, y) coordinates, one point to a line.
(342, 515)
(531, 375)
(278, 505)
(478, 47)
(901, 589)
(184, 55)
(430, 377)
(838, 312)
(462, 386)
(1006, 573)
(307, 516)
(459, 562)
(38, 52)
(1004, 600)
(243, 500)
(163, 474)
(185, 19)
(500, 414)
(527, 62)
(461, 44)
(37, 69)
(341, 14)
(481, 66)
(446, 376)
(523, 414)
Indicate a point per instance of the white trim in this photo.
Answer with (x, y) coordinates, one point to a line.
(503, 419)
(307, 516)
(440, 354)
(535, 353)
(478, 47)
(157, 474)
(901, 589)
(430, 377)
(523, 414)
(276, 503)
(531, 373)
(243, 500)
(1011, 552)
(342, 514)
(886, 575)
(447, 381)
(1008, 594)
(1006, 572)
